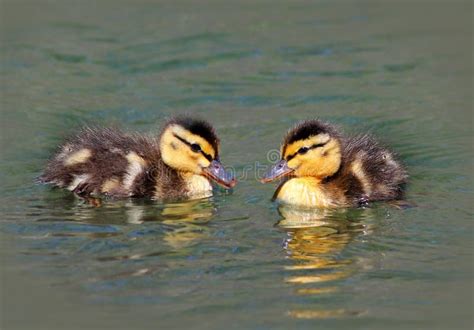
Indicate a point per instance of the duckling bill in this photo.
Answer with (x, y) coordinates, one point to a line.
(181, 162)
(322, 168)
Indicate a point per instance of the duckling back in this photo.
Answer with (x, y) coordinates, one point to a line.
(369, 171)
(106, 161)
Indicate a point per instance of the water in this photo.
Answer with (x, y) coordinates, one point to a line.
(400, 70)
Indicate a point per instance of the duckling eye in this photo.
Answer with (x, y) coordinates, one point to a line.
(195, 147)
(303, 150)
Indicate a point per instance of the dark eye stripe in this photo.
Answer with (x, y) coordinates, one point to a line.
(314, 146)
(208, 157)
(303, 150)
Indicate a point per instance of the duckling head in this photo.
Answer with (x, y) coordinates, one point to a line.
(311, 149)
(191, 146)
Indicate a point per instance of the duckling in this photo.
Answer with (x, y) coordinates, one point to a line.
(179, 163)
(322, 168)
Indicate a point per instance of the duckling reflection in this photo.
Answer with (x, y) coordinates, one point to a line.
(181, 223)
(186, 220)
(315, 241)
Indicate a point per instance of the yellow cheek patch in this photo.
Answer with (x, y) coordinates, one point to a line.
(78, 157)
(320, 162)
(203, 162)
(294, 163)
(198, 159)
(193, 138)
(293, 148)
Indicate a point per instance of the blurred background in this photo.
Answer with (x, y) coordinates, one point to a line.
(399, 69)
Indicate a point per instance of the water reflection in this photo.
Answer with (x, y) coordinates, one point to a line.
(178, 224)
(315, 243)
(186, 220)
(131, 239)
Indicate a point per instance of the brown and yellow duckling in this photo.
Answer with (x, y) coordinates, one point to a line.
(322, 168)
(179, 163)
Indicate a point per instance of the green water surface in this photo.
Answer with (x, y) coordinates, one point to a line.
(399, 69)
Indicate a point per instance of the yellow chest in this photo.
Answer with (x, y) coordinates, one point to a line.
(197, 186)
(307, 192)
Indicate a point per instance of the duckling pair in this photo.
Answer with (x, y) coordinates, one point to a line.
(319, 167)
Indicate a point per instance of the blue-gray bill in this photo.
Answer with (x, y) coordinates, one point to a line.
(278, 171)
(217, 173)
